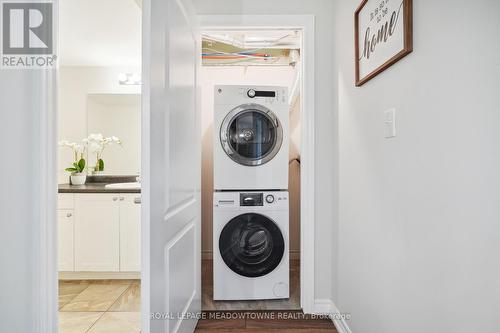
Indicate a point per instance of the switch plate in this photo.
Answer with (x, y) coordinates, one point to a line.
(390, 123)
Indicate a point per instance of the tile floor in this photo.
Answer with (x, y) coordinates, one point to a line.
(113, 306)
(99, 306)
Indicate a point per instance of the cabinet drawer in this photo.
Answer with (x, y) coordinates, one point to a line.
(66, 201)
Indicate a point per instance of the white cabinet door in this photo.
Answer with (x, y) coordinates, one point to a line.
(97, 227)
(130, 233)
(65, 224)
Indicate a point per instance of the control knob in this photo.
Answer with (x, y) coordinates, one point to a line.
(269, 198)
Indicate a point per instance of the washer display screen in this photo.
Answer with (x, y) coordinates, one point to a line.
(251, 245)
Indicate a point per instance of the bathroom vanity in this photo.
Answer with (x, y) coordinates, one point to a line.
(99, 231)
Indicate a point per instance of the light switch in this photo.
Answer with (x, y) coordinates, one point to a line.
(390, 123)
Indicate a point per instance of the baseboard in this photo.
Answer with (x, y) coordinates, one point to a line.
(327, 307)
(99, 275)
(322, 306)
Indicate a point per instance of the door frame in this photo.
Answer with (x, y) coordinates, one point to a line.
(305, 23)
(46, 267)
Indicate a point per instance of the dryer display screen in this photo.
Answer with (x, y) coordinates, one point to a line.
(265, 94)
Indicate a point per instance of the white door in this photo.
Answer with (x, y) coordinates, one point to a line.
(97, 232)
(171, 167)
(130, 233)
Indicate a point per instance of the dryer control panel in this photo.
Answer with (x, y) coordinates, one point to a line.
(270, 95)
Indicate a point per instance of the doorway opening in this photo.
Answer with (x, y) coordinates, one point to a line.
(305, 25)
(99, 164)
(241, 59)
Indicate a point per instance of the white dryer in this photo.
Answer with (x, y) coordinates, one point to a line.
(250, 240)
(251, 138)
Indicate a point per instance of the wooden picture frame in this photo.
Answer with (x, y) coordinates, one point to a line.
(395, 37)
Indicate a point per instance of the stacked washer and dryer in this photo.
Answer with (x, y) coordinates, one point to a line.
(250, 219)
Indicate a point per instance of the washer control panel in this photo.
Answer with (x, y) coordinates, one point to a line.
(251, 200)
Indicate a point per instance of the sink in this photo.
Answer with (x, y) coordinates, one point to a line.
(123, 186)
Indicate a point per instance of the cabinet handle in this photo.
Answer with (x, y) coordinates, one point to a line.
(122, 198)
(69, 215)
(137, 200)
(115, 198)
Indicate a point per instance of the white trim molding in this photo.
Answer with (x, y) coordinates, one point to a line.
(46, 265)
(339, 320)
(306, 24)
(323, 306)
(328, 307)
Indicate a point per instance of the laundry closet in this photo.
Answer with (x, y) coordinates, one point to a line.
(250, 121)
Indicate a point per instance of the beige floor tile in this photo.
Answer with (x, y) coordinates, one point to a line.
(129, 301)
(97, 297)
(68, 291)
(118, 322)
(77, 322)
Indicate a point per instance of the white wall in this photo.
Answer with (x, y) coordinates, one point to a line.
(419, 233)
(326, 163)
(118, 115)
(233, 75)
(75, 83)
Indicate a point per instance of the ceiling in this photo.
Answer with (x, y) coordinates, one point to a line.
(278, 47)
(246, 39)
(100, 33)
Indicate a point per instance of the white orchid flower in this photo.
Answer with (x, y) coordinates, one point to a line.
(95, 147)
(95, 137)
(116, 139)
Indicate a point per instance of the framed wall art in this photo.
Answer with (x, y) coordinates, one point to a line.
(383, 35)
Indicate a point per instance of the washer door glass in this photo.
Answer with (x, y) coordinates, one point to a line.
(251, 135)
(251, 245)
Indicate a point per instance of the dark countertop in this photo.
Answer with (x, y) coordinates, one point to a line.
(96, 184)
(93, 188)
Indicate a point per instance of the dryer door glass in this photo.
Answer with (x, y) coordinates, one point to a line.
(251, 135)
(251, 245)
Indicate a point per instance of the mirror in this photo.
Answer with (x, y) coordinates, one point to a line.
(116, 115)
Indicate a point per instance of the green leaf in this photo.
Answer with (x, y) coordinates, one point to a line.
(101, 164)
(81, 164)
(70, 169)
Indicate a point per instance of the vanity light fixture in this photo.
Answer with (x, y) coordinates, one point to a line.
(129, 79)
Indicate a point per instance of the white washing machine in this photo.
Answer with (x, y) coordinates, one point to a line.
(251, 138)
(250, 240)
